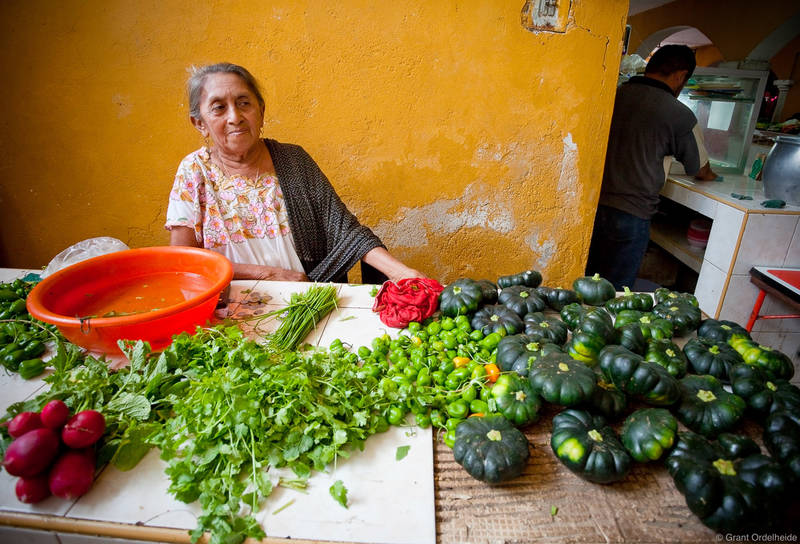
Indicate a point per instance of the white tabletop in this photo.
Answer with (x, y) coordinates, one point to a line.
(388, 500)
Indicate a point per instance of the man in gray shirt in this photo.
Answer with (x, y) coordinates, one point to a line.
(648, 124)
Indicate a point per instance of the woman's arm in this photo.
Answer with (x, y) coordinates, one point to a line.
(184, 236)
(389, 265)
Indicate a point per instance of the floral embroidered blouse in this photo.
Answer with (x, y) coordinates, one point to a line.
(244, 219)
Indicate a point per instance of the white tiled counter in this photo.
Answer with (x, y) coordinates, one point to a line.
(743, 234)
(134, 506)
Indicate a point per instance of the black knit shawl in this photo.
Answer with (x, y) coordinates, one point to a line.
(328, 239)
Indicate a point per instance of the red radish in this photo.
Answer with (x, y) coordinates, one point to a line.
(31, 453)
(72, 474)
(24, 422)
(83, 429)
(55, 414)
(33, 490)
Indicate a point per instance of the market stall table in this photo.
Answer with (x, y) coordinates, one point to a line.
(428, 496)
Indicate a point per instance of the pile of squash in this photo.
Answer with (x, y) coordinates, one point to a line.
(611, 361)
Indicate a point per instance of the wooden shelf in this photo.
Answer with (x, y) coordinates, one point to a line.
(672, 238)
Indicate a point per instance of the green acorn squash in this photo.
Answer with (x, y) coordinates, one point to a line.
(588, 447)
(490, 449)
(777, 365)
(560, 379)
(706, 356)
(496, 318)
(667, 354)
(685, 316)
(629, 300)
(728, 484)
(594, 290)
(762, 395)
(518, 352)
(461, 297)
(515, 399)
(706, 408)
(719, 330)
(556, 298)
(522, 300)
(528, 278)
(545, 328)
(631, 374)
(649, 433)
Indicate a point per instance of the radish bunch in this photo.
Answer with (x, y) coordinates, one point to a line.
(53, 453)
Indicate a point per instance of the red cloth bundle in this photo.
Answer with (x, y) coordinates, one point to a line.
(410, 299)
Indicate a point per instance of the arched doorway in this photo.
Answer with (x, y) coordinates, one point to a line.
(706, 52)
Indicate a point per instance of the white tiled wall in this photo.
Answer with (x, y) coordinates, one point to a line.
(765, 241)
(739, 299)
(723, 237)
(710, 284)
(14, 535)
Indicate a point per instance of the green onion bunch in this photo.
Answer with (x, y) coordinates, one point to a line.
(301, 316)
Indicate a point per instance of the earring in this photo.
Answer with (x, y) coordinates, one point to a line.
(207, 143)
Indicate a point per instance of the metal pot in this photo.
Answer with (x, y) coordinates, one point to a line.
(781, 172)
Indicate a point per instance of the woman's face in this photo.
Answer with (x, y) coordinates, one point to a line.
(229, 114)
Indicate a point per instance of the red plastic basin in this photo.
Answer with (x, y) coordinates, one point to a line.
(146, 294)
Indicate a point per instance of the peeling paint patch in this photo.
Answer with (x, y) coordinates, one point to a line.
(476, 208)
(546, 249)
(568, 176)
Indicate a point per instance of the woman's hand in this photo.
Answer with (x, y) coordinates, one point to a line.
(393, 268)
(259, 272)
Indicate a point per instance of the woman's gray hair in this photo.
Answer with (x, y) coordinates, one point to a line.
(197, 81)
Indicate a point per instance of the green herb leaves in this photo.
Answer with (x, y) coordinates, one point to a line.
(339, 492)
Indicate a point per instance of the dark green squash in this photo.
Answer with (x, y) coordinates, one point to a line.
(662, 294)
(545, 328)
(490, 449)
(629, 300)
(606, 399)
(518, 352)
(489, 291)
(631, 374)
(598, 321)
(649, 433)
(515, 399)
(719, 330)
(528, 278)
(594, 290)
(728, 484)
(461, 297)
(711, 357)
(588, 447)
(556, 298)
(560, 379)
(782, 439)
(777, 365)
(496, 318)
(667, 354)
(585, 347)
(706, 408)
(762, 395)
(630, 336)
(651, 326)
(522, 300)
(572, 313)
(685, 317)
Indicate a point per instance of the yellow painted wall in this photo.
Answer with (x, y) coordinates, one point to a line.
(471, 145)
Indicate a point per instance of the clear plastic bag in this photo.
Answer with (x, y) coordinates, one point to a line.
(93, 247)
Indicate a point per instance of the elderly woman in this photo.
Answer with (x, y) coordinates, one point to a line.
(264, 204)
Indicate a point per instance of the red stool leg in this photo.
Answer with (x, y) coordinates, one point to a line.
(756, 309)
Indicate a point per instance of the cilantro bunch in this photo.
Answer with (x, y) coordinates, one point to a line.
(249, 407)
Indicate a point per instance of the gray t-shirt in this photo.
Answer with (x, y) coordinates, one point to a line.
(648, 124)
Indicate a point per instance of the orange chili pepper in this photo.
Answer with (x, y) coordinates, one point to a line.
(476, 414)
(460, 361)
(492, 372)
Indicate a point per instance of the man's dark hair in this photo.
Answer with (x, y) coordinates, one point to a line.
(670, 59)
